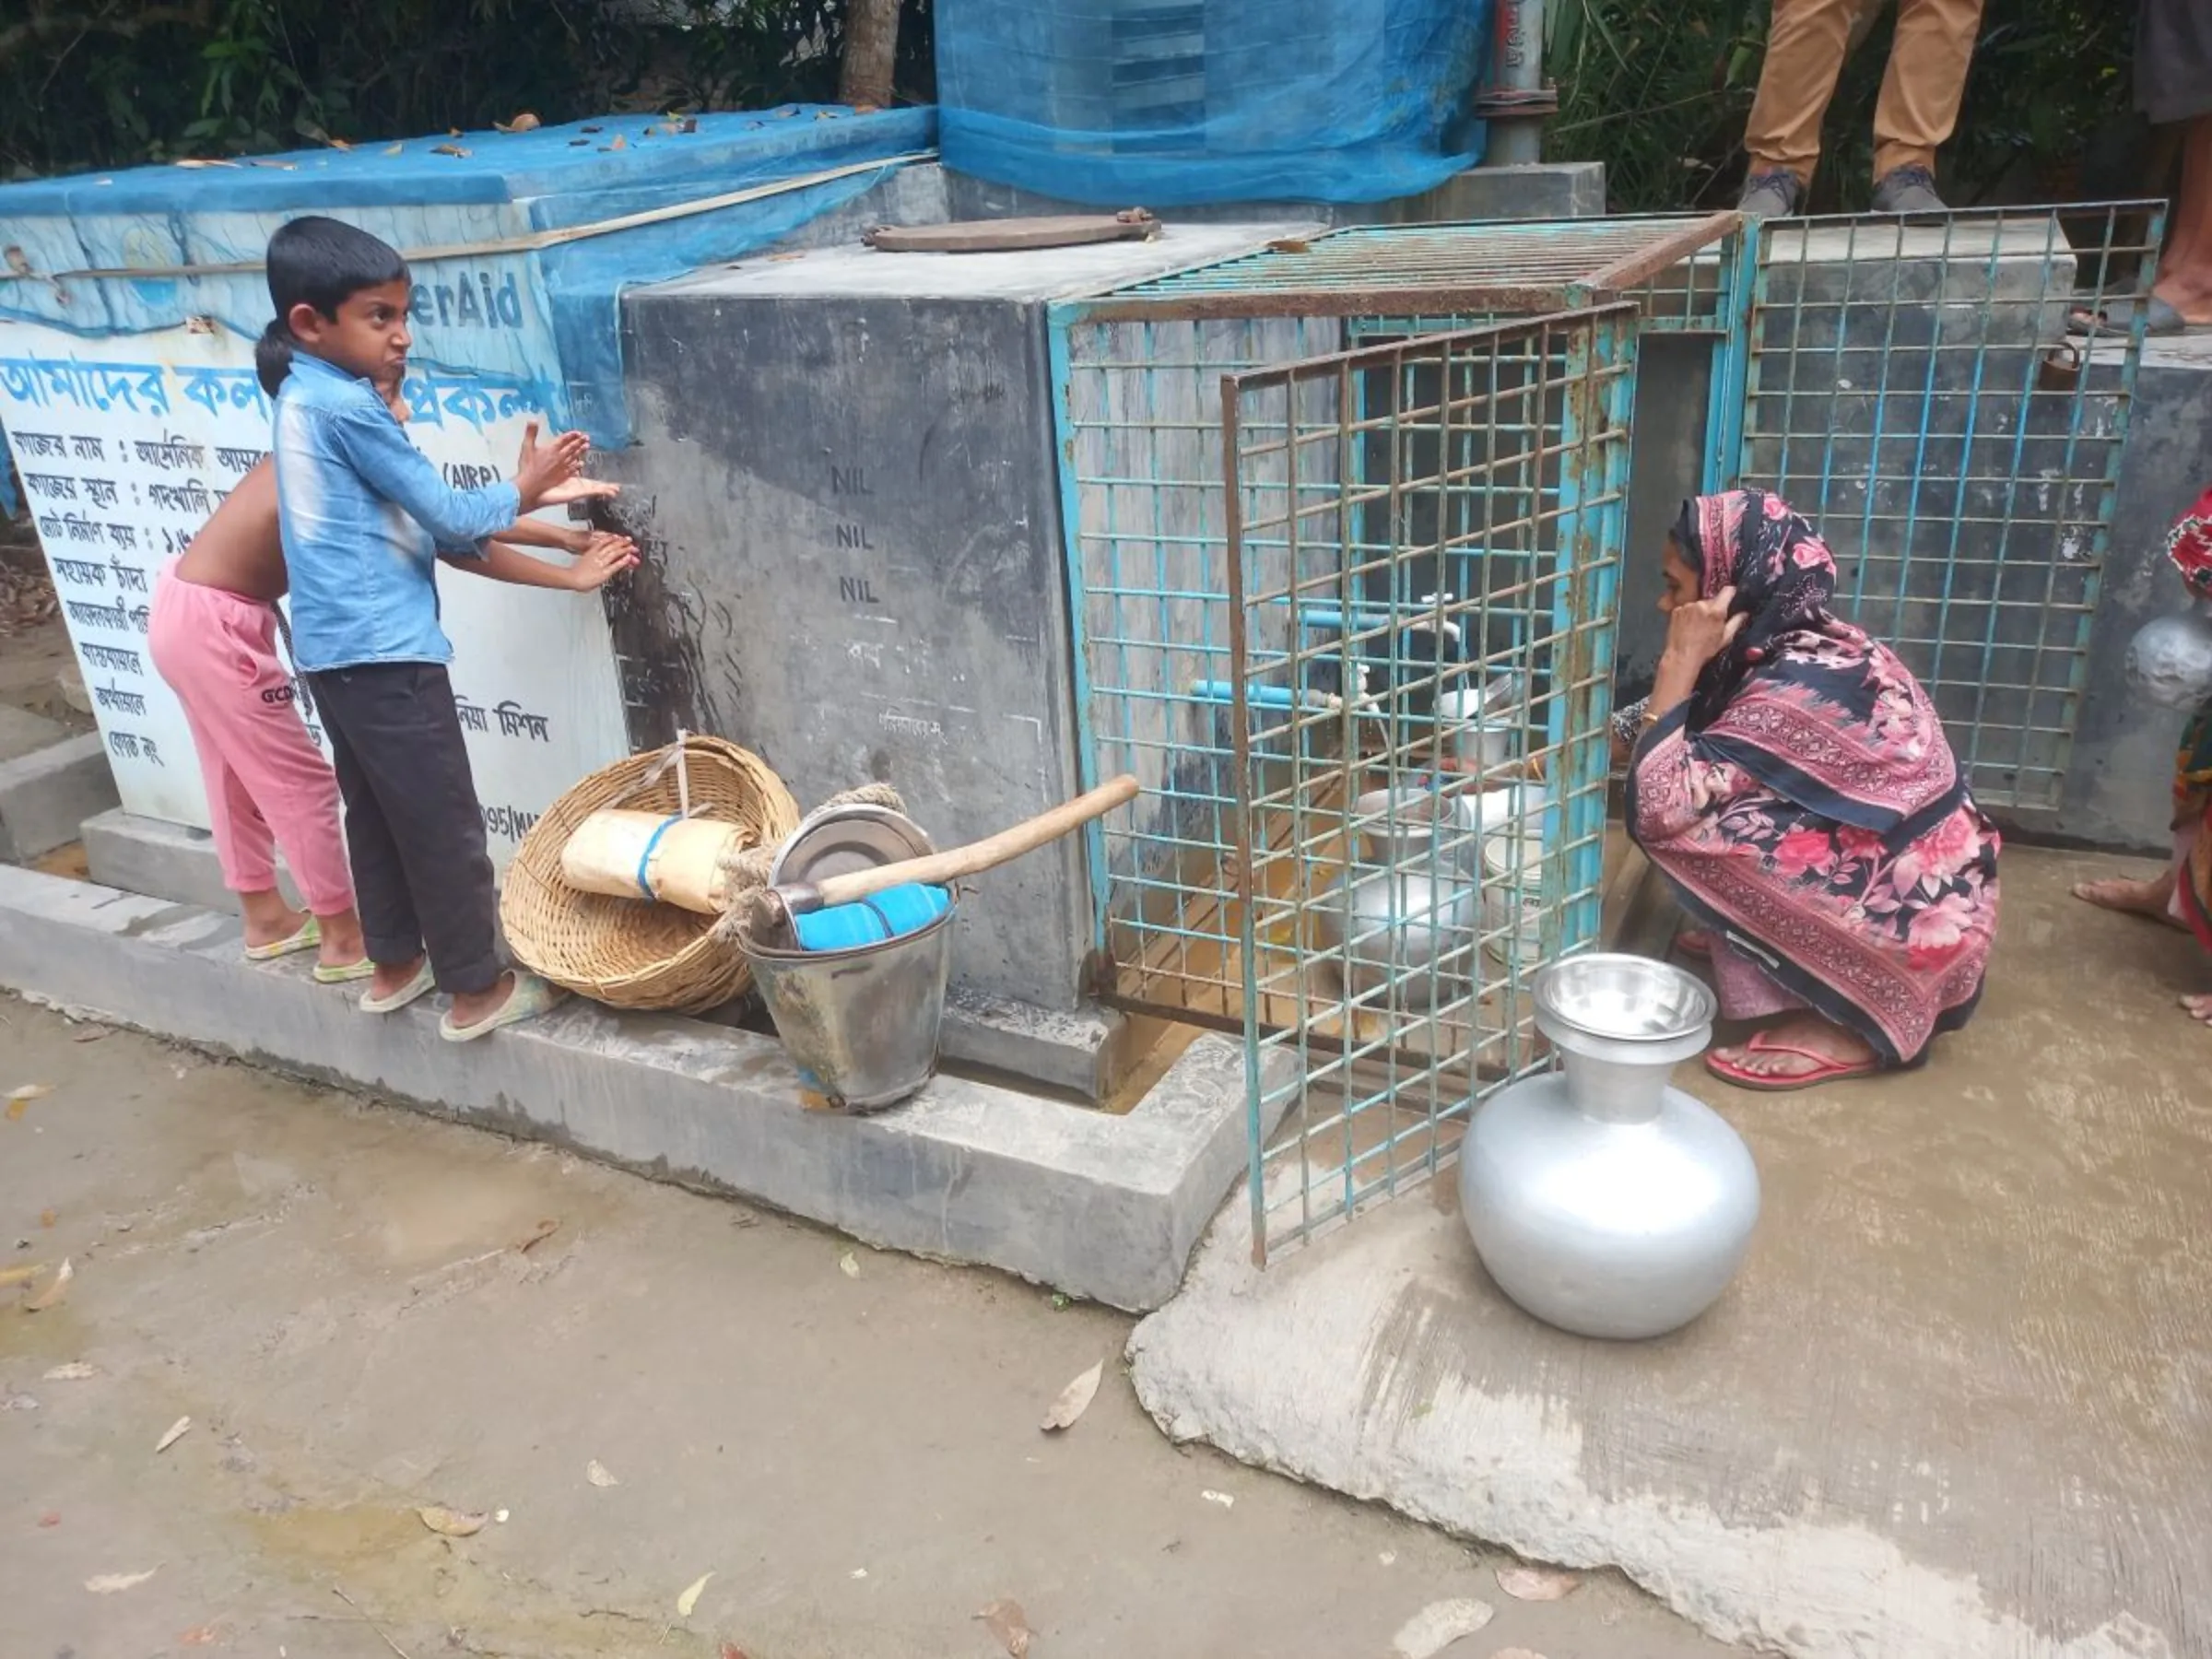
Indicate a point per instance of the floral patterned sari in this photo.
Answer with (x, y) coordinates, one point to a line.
(2190, 548)
(1804, 804)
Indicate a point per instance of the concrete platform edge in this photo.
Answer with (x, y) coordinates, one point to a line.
(1102, 1206)
(1307, 1369)
(1083, 1053)
(46, 794)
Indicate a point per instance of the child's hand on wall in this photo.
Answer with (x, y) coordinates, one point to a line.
(544, 468)
(605, 557)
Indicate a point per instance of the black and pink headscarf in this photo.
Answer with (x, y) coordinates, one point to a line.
(1800, 699)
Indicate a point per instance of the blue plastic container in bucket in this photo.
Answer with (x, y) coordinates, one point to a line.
(861, 1023)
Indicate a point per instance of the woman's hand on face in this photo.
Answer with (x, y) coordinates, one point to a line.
(1698, 632)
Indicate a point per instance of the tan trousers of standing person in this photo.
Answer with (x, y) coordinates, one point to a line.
(1808, 43)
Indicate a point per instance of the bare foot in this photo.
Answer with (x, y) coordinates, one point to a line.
(2131, 897)
(2198, 1008)
(391, 978)
(1807, 1032)
(475, 1006)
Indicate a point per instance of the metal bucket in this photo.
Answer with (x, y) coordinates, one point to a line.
(861, 1025)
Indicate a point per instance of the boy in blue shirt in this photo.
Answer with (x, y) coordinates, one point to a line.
(364, 515)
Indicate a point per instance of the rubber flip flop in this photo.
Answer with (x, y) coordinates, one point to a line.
(422, 985)
(345, 973)
(1691, 942)
(2161, 318)
(309, 936)
(1828, 1070)
(530, 997)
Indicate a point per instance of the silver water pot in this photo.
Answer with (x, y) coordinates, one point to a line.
(1600, 1199)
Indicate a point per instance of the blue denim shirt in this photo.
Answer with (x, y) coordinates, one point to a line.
(363, 514)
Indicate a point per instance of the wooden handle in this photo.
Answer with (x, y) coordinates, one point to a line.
(987, 854)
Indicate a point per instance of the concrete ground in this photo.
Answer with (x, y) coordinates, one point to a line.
(1958, 1402)
(335, 1295)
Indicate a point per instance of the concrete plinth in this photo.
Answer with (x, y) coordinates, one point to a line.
(46, 794)
(1959, 1403)
(157, 859)
(1085, 1051)
(1098, 1205)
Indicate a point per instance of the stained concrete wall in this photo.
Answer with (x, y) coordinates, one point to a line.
(846, 480)
(2123, 765)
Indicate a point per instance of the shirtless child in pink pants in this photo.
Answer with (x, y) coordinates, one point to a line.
(213, 639)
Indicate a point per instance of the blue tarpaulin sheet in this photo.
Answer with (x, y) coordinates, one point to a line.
(539, 322)
(1165, 103)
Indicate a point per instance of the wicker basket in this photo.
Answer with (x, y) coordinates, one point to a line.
(625, 952)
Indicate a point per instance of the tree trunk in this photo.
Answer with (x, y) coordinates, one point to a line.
(871, 47)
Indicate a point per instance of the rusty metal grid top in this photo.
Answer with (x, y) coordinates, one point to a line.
(1537, 265)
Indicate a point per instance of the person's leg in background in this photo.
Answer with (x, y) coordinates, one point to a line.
(1921, 93)
(1806, 43)
(2184, 284)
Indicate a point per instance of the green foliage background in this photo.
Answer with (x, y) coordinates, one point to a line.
(1657, 89)
(108, 83)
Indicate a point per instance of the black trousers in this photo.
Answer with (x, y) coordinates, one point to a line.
(415, 834)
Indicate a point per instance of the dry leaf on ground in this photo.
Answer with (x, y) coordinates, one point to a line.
(690, 1598)
(1009, 1624)
(108, 1584)
(47, 1218)
(55, 1294)
(21, 1276)
(452, 1522)
(177, 1432)
(1536, 1583)
(198, 1636)
(1437, 1626)
(598, 1475)
(76, 1370)
(538, 1235)
(849, 1265)
(524, 123)
(20, 1097)
(1074, 1399)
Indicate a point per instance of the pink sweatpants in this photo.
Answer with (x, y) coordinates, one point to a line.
(267, 784)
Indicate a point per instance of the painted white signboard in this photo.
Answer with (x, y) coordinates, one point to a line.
(125, 444)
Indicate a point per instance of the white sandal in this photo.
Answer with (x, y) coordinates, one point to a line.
(530, 997)
(309, 936)
(422, 985)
